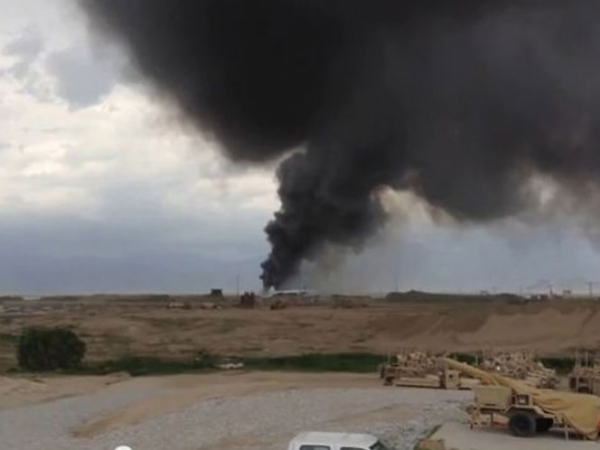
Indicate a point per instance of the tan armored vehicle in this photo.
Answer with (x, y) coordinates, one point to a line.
(420, 369)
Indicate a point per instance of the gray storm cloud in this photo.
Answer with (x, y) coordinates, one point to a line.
(460, 102)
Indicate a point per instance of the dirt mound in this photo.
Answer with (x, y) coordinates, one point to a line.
(545, 327)
(437, 322)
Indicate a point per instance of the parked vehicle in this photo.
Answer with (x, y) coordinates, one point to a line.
(336, 441)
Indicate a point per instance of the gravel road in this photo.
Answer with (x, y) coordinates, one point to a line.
(260, 421)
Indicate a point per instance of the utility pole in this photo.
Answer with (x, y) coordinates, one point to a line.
(591, 289)
(237, 284)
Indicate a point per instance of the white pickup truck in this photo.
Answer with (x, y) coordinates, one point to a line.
(336, 441)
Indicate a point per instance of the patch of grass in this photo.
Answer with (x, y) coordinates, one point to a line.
(562, 365)
(467, 358)
(314, 362)
(8, 338)
(318, 362)
(139, 366)
(206, 362)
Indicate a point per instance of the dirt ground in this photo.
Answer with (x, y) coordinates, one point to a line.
(122, 326)
(188, 390)
(20, 391)
(224, 411)
(237, 411)
(23, 391)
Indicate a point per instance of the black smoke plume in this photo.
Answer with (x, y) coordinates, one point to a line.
(458, 101)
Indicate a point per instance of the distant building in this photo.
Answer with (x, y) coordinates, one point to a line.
(289, 293)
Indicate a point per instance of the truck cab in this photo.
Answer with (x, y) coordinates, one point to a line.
(336, 441)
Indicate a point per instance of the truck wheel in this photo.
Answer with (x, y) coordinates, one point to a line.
(543, 425)
(522, 424)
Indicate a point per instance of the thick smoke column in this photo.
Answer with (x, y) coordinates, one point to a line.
(459, 101)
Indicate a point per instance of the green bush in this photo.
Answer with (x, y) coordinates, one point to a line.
(562, 365)
(147, 365)
(467, 358)
(318, 362)
(48, 349)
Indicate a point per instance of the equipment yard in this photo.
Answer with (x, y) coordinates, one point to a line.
(242, 409)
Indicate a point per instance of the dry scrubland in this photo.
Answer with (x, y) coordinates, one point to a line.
(116, 327)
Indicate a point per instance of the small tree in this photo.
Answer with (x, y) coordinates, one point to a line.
(47, 349)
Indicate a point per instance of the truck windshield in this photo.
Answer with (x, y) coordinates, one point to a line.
(379, 446)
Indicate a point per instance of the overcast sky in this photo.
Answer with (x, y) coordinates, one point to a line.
(101, 191)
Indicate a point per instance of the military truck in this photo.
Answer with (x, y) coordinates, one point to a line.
(524, 417)
(528, 410)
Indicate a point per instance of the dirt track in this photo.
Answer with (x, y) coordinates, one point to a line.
(113, 329)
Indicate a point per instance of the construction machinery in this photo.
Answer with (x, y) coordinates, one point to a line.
(420, 369)
(585, 376)
(521, 366)
(526, 410)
